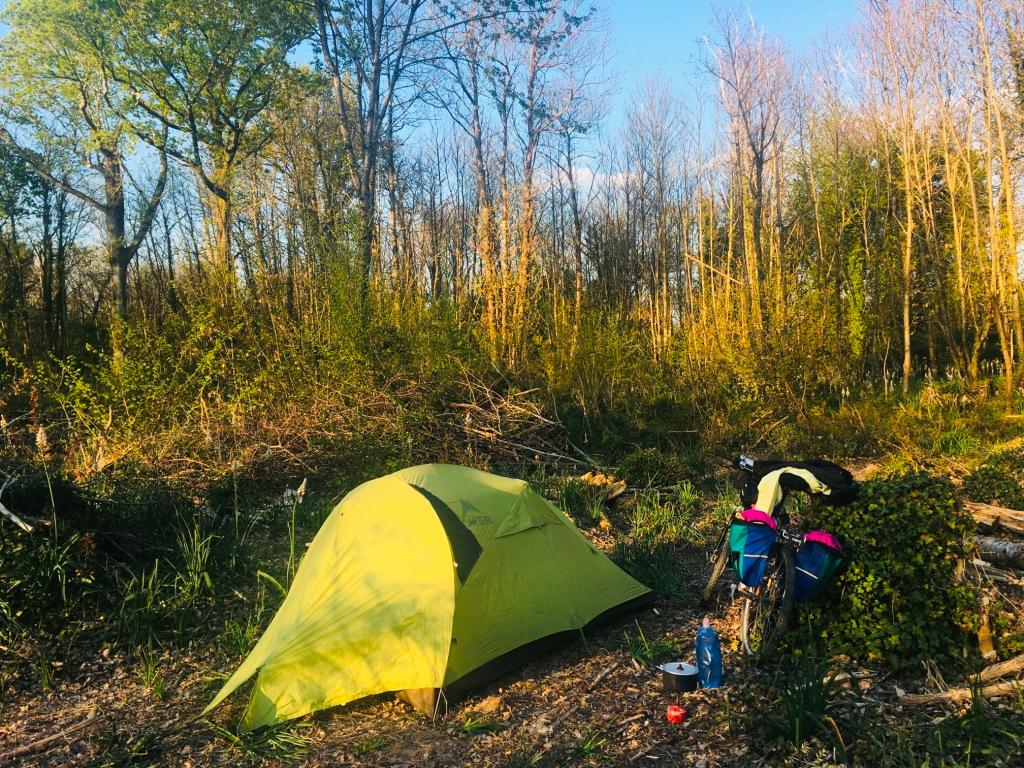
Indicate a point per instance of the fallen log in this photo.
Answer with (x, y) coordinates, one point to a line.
(1003, 668)
(992, 518)
(957, 695)
(1001, 551)
(988, 674)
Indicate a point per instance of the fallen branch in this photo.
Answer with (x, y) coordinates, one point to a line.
(547, 729)
(847, 677)
(1001, 551)
(957, 695)
(7, 513)
(997, 574)
(1002, 669)
(623, 723)
(992, 518)
(597, 680)
(35, 746)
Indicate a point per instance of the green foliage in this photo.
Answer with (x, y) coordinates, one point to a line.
(239, 637)
(957, 441)
(478, 726)
(649, 563)
(647, 467)
(224, 64)
(273, 742)
(132, 750)
(371, 744)
(994, 485)
(524, 758)
(982, 735)
(899, 601)
(193, 577)
(650, 652)
(998, 480)
(654, 521)
(589, 746)
(144, 605)
(803, 703)
(44, 670)
(150, 675)
(45, 576)
(581, 500)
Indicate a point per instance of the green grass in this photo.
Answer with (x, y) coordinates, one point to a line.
(654, 521)
(650, 652)
(957, 441)
(372, 744)
(579, 499)
(802, 707)
(477, 726)
(44, 671)
(983, 735)
(273, 742)
(193, 576)
(524, 758)
(135, 750)
(590, 745)
(143, 605)
(150, 675)
(240, 637)
(649, 563)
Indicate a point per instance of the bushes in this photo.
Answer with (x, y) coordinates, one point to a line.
(999, 480)
(647, 467)
(899, 601)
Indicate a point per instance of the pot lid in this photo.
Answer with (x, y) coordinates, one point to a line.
(678, 668)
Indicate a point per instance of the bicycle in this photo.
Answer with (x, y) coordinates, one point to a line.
(768, 607)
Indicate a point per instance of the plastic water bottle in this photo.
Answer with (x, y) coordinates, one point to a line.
(709, 656)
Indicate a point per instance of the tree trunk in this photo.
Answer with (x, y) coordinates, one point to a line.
(121, 285)
(222, 222)
(46, 215)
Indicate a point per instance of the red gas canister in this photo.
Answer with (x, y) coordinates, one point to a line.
(675, 714)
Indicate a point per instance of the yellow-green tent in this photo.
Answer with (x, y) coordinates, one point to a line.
(433, 578)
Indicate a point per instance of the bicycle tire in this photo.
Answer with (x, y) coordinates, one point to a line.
(718, 566)
(765, 616)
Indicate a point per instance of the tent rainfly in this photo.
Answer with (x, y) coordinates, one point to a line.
(434, 579)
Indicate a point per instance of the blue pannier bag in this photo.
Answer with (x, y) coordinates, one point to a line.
(818, 561)
(751, 538)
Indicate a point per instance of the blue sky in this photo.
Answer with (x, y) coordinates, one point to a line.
(649, 37)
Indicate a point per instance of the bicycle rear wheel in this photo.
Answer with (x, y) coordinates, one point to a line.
(766, 615)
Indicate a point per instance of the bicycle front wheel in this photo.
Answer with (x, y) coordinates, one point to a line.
(766, 615)
(720, 560)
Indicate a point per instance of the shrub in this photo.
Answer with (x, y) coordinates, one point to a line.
(650, 467)
(993, 485)
(999, 480)
(899, 601)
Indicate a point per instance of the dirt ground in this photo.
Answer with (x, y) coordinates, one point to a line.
(585, 702)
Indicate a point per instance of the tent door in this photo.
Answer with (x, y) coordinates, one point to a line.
(421, 699)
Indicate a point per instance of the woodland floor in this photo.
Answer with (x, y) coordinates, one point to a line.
(588, 703)
(549, 710)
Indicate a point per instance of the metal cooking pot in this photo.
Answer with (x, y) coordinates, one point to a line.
(678, 677)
